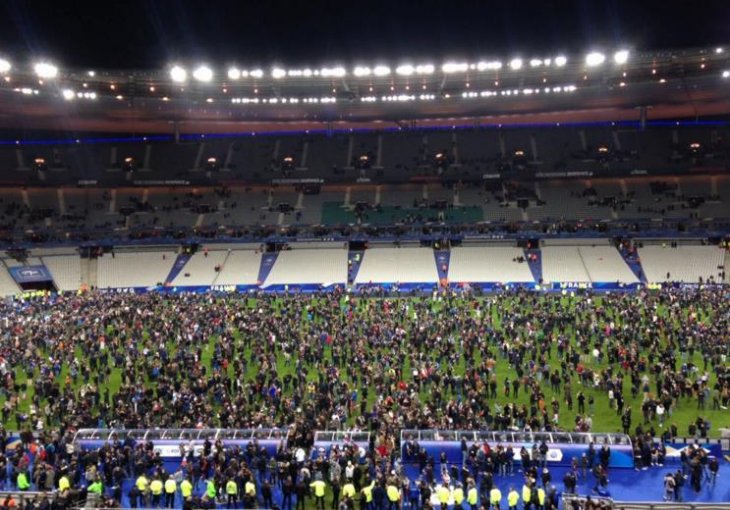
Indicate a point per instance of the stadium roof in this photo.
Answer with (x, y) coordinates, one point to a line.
(598, 84)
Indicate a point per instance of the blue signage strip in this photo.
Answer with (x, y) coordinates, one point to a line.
(30, 274)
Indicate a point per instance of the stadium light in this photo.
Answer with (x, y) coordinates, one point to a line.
(68, 94)
(726, 74)
(178, 74)
(277, 73)
(45, 70)
(234, 73)
(381, 70)
(536, 62)
(333, 72)
(560, 61)
(203, 74)
(719, 50)
(516, 64)
(256, 73)
(4, 66)
(621, 57)
(489, 66)
(404, 70)
(455, 67)
(425, 69)
(595, 58)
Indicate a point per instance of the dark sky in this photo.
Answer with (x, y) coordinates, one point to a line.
(150, 34)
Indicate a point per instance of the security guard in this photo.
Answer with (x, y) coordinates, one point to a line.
(143, 487)
(526, 496)
(318, 485)
(393, 496)
(495, 498)
(156, 489)
(170, 490)
(366, 502)
(232, 492)
(443, 496)
(541, 497)
(348, 490)
(186, 489)
(513, 498)
(64, 484)
(22, 481)
(249, 492)
(96, 487)
(472, 496)
(458, 497)
(210, 490)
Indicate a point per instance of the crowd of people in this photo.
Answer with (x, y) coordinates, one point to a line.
(512, 361)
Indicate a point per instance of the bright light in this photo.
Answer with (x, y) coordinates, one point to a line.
(719, 50)
(595, 59)
(425, 69)
(455, 67)
(381, 70)
(203, 73)
(278, 73)
(91, 73)
(535, 62)
(561, 61)
(256, 73)
(68, 94)
(361, 71)
(4, 66)
(178, 74)
(516, 63)
(490, 66)
(336, 72)
(405, 70)
(621, 57)
(45, 70)
(726, 74)
(234, 73)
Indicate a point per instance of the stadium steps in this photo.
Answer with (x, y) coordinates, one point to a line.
(634, 264)
(443, 262)
(177, 267)
(535, 266)
(354, 259)
(89, 270)
(222, 266)
(267, 264)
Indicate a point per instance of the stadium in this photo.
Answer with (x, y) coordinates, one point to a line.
(480, 282)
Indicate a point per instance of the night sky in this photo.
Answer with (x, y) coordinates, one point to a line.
(110, 34)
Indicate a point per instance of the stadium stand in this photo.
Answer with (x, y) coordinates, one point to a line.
(240, 267)
(8, 287)
(488, 264)
(134, 269)
(65, 269)
(688, 264)
(605, 264)
(323, 266)
(202, 268)
(393, 265)
(563, 264)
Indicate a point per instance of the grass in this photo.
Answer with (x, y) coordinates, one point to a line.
(604, 418)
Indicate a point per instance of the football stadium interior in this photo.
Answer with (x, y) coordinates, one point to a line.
(452, 284)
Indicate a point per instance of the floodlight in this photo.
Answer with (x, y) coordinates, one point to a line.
(45, 70)
(381, 70)
(68, 94)
(203, 73)
(621, 57)
(726, 74)
(516, 63)
(361, 71)
(455, 67)
(560, 61)
(4, 66)
(178, 74)
(256, 73)
(278, 73)
(535, 62)
(595, 59)
(234, 73)
(425, 69)
(404, 70)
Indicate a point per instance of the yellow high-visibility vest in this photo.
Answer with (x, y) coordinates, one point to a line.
(393, 493)
(541, 496)
(495, 496)
(443, 494)
(231, 488)
(472, 495)
(348, 490)
(526, 493)
(63, 483)
(368, 492)
(458, 496)
(186, 488)
(156, 487)
(142, 484)
(513, 498)
(170, 486)
(250, 488)
(318, 486)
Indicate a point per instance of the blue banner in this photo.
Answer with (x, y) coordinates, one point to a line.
(30, 274)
